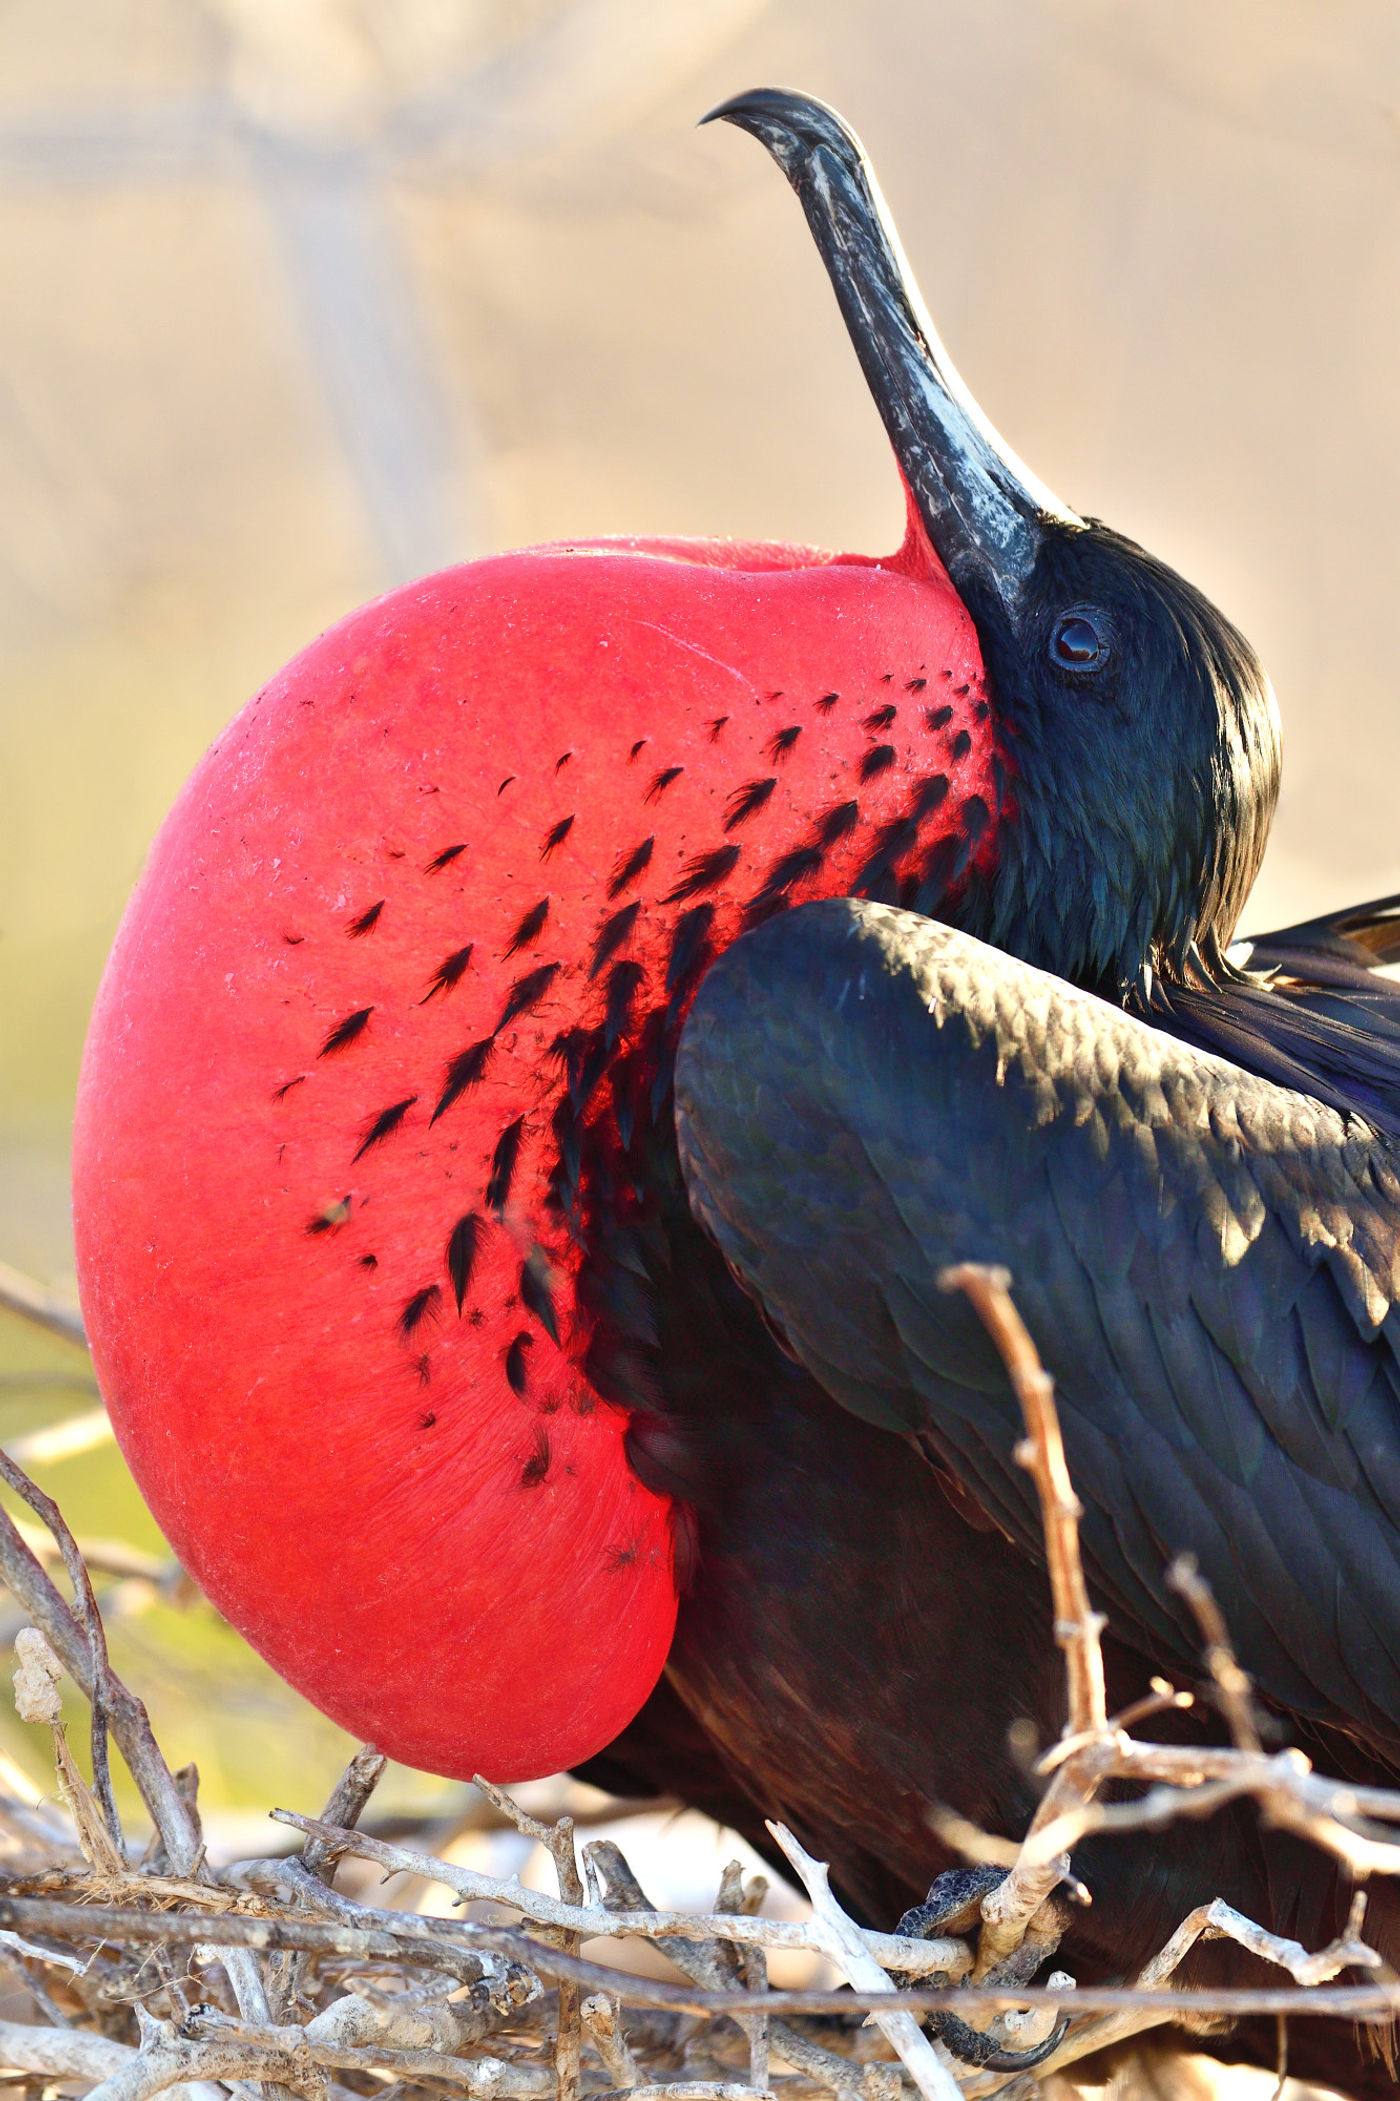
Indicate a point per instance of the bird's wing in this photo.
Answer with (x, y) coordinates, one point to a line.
(1365, 936)
(1206, 1260)
(1311, 1007)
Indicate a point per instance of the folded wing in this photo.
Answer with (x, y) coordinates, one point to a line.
(1205, 1257)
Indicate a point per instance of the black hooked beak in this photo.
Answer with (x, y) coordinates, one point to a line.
(984, 511)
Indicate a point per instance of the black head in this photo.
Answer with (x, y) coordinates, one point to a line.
(1143, 748)
(1139, 730)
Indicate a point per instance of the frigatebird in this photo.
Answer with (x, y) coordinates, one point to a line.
(395, 1288)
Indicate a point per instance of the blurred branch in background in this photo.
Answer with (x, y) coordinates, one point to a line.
(326, 108)
(63, 1440)
(20, 1294)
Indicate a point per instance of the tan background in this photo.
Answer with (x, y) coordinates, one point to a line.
(301, 297)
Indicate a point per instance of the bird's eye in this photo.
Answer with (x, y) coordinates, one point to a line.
(1079, 642)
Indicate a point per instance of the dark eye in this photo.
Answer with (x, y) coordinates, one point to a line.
(1079, 642)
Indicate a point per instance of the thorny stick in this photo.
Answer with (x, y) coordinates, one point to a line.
(1008, 1909)
(751, 1963)
(1220, 1921)
(70, 2053)
(1282, 1783)
(287, 2056)
(95, 1814)
(708, 1962)
(683, 2090)
(126, 1714)
(348, 1802)
(599, 2015)
(81, 1647)
(1042, 1453)
(1199, 1778)
(318, 2044)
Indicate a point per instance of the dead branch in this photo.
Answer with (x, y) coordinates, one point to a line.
(125, 1713)
(413, 1941)
(837, 2075)
(750, 1963)
(1077, 1625)
(710, 1962)
(78, 1639)
(558, 1841)
(103, 1557)
(62, 2053)
(285, 2057)
(1197, 1779)
(347, 1803)
(313, 2045)
(89, 1620)
(684, 2090)
(599, 2015)
(1220, 1921)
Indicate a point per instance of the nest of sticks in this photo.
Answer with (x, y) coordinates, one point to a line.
(160, 1971)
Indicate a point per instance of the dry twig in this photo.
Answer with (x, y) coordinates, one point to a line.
(891, 1950)
(1009, 1909)
(558, 1841)
(845, 1944)
(1232, 1685)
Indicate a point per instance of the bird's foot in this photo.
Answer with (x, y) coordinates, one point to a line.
(954, 1906)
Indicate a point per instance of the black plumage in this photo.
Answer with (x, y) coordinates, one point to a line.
(1205, 1257)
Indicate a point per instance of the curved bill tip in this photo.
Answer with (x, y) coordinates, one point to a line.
(983, 510)
(795, 128)
(760, 109)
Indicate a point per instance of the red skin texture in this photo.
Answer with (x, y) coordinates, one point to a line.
(466, 1573)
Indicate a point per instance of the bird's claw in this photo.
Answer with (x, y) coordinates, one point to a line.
(973, 2046)
(954, 1906)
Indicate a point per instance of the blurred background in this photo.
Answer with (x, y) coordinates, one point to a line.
(304, 297)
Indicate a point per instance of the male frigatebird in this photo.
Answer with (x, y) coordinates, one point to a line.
(393, 1282)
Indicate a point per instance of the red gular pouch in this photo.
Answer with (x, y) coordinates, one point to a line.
(392, 1001)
